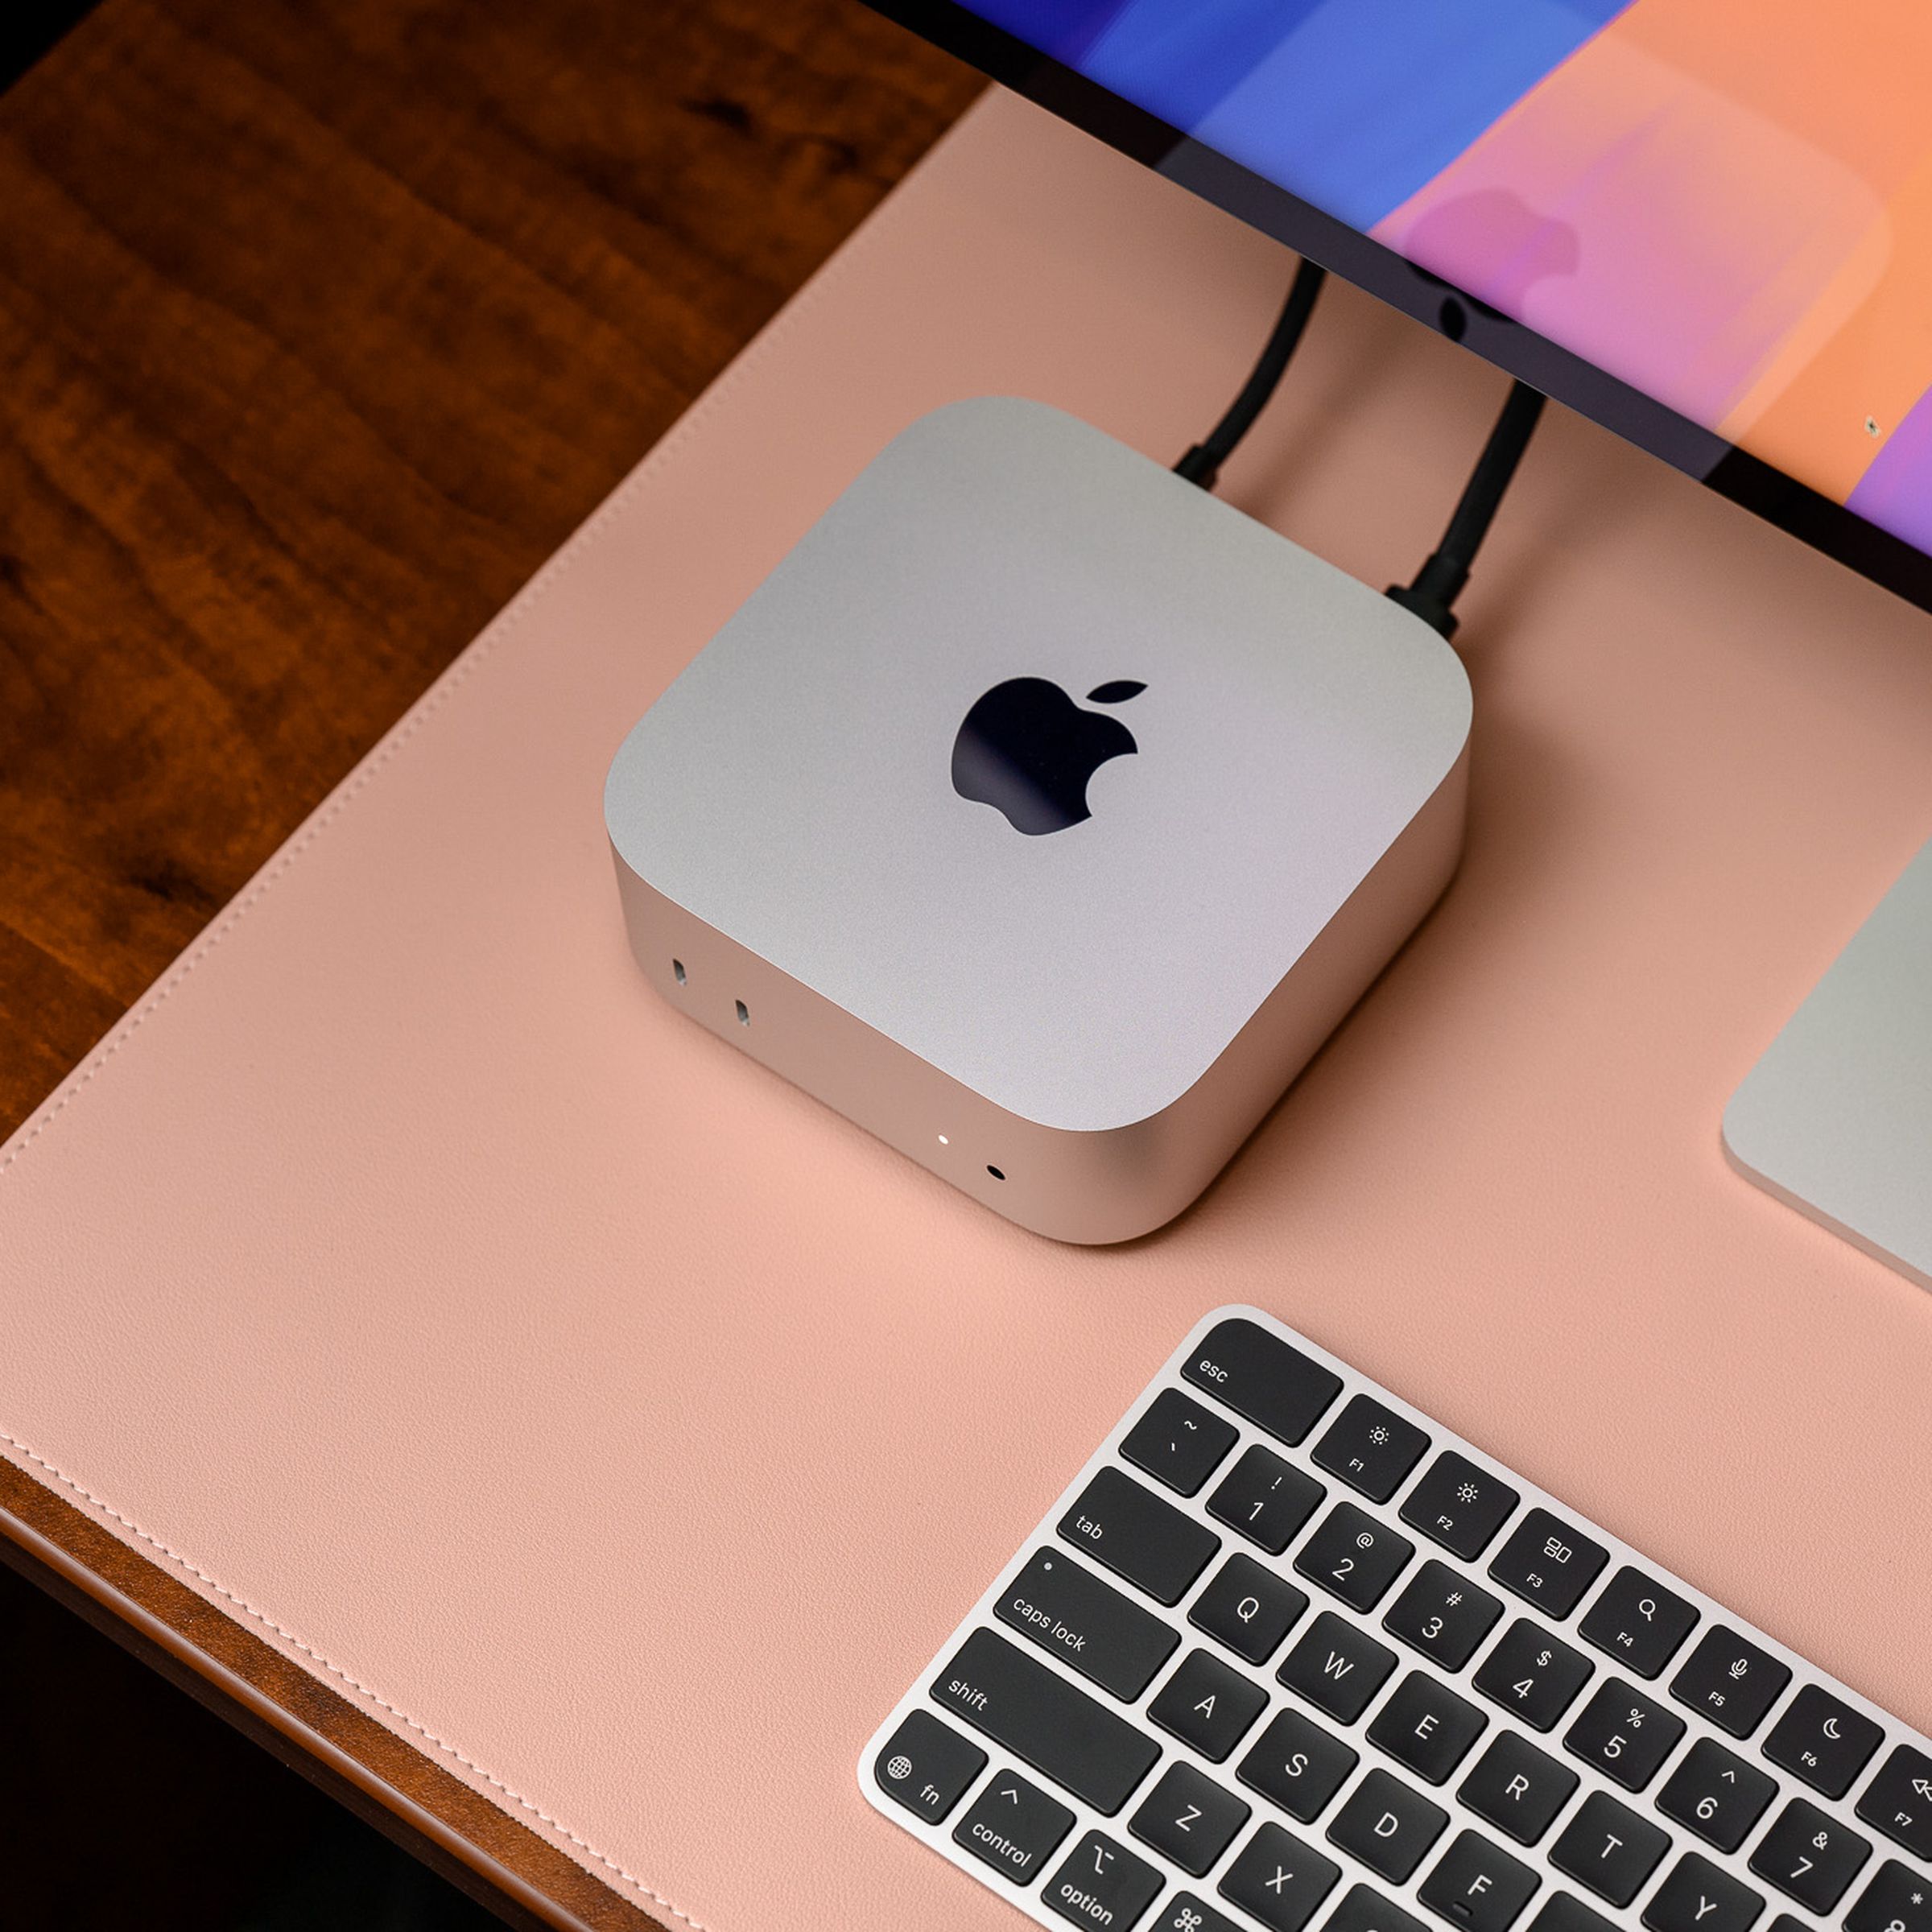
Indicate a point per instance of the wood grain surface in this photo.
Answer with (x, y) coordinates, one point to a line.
(321, 325)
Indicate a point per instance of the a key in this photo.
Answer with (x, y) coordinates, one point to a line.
(1699, 1897)
(1179, 1442)
(1639, 1622)
(1532, 1675)
(1898, 1801)
(1371, 1448)
(1716, 1794)
(1809, 1856)
(1731, 1680)
(1459, 1505)
(1103, 1884)
(1388, 1827)
(1609, 1848)
(1068, 1611)
(1443, 1614)
(1897, 1900)
(1207, 1704)
(1185, 1913)
(1548, 1563)
(1135, 1534)
(1296, 1764)
(1188, 1819)
(927, 1766)
(1364, 1909)
(1013, 1827)
(1260, 1377)
(1561, 1913)
(1353, 1556)
(1266, 1499)
(1337, 1667)
(1517, 1788)
(1064, 1734)
(1278, 1880)
(1823, 1741)
(1426, 1727)
(1248, 1607)
(1478, 1887)
(1624, 1735)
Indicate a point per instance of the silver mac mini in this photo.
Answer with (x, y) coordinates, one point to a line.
(1042, 814)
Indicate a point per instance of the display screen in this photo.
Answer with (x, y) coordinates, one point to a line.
(1727, 205)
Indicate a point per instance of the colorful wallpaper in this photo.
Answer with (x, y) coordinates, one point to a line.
(1727, 205)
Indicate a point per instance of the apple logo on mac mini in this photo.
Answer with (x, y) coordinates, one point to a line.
(1027, 749)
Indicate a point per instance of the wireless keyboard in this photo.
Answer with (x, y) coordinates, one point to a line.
(1287, 1653)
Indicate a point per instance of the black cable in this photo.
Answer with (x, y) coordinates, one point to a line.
(1202, 464)
(1439, 582)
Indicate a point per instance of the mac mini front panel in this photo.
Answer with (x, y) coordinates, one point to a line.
(854, 839)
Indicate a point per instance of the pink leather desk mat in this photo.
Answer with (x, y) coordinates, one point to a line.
(623, 1428)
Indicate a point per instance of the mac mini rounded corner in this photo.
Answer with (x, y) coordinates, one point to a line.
(1042, 815)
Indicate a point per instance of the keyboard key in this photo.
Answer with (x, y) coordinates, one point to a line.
(1517, 1788)
(1459, 1505)
(1716, 1794)
(1337, 1667)
(1823, 1741)
(1137, 1536)
(1548, 1563)
(1371, 1448)
(1248, 1607)
(1179, 1442)
(1266, 1499)
(1809, 1856)
(1103, 1884)
(1258, 1376)
(1898, 1900)
(1532, 1675)
(1624, 1735)
(1426, 1727)
(1185, 1913)
(1561, 1913)
(1296, 1764)
(1388, 1827)
(1443, 1616)
(1207, 1704)
(1064, 1734)
(1899, 1801)
(1364, 1909)
(1478, 1886)
(1067, 1610)
(1189, 1818)
(1731, 1680)
(1013, 1827)
(1698, 1896)
(1278, 1880)
(1609, 1848)
(927, 1766)
(1639, 1622)
(1353, 1557)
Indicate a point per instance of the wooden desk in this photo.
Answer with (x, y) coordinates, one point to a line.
(320, 327)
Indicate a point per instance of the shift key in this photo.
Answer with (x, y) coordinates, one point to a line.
(1137, 1536)
(1086, 1624)
(1036, 1714)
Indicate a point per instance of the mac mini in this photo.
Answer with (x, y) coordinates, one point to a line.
(1042, 814)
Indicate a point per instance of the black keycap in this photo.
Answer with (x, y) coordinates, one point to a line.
(1699, 1897)
(1295, 1764)
(1371, 1448)
(1103, 1884)
(1609, 1848)
(1137, 1536)
(1731, 1680)
(1561, 1913)
(1548, 1563)
(1208, 1704)
(1532, 1675)
(1809, 1856)
(1185, 1913)
(927, 1765)
(1639, 1622)
(1625, 1734)
(1426, 1725)
(1337, 1667)
(1353, 1557)
(1248, 1607)
(1013, 1827)
(1459, 1506)
(1443, 1614)
(1517, 1788)
(1260, 1377)
(1716, 1794)
(1060, 1730)
(1266, 1499)
(1388, 1827)
(1823, 1741)
(1899, 1801)
(1278, 1880)
(1179, 1442)
(1188, 1819)
(1898, 1900)
(1478, 1886)
(1087, 1623)
(1364, 1909)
